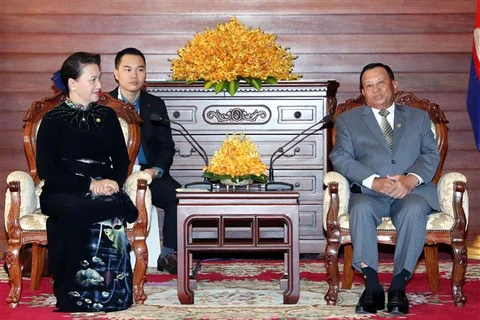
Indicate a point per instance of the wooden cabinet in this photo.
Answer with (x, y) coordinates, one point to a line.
(270, 118)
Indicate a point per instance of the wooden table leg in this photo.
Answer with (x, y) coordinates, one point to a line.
(292, 294)
(284, 279)
(185, 293)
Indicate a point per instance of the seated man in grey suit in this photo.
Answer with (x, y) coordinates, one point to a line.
(389, 155)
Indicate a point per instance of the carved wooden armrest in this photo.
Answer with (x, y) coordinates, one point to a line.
(136, 186)
(20, 198)
(453, 196)
(336, 197)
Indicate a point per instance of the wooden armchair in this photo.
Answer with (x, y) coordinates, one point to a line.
(25, 222)
(447, 227)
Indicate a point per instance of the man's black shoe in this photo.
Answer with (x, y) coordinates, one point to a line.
(168, 263)
(397, 302)
(371, 301)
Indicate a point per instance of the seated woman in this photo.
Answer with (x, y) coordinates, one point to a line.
(82, 156)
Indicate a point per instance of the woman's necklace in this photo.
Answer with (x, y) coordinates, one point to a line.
(77, 106)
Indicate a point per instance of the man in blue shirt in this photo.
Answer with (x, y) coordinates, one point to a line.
(156, 147)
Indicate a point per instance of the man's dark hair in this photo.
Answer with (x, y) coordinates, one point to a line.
(73, 66)
(125, 51)
(375, 65)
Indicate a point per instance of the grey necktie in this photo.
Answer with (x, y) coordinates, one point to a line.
(386, 128)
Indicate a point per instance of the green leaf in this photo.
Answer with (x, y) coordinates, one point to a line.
(208, 84)
(219, 87)
(256, 83)
(233, 87)
(271, 80)
(214, 177)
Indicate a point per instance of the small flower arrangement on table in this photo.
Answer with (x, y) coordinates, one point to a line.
(237, 162)
(230, 54)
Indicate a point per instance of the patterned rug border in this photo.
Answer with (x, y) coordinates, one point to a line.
(234, 279)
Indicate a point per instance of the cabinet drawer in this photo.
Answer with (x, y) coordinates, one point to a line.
(253, 116)
(309, 183)
(311, 221)
(307, 154)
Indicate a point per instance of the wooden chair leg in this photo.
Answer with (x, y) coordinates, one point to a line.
(458, 271)
(348, 271)
(38, 259)
(431, 267)
(15, 272)
(140, 270)
(331, 264)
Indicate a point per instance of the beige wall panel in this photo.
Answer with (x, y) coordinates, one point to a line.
(461, 140)
(463, 160)
(427, 43)
(305, 44)
(408, 62)
(20, 102)
(265, 7)
(446, 82)
(12, 120)
(459, 121)
(324, 63)
(11, 140)
(279, 24)
(15, 160)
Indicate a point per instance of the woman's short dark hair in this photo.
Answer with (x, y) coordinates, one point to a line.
(73, 66)
(132, 51)
(375, 65)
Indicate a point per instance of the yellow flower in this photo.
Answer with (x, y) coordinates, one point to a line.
(231, 53)
(238, 159)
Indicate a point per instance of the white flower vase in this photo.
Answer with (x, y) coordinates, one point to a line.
(236, 183)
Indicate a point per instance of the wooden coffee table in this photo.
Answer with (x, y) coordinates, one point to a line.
(238, 221)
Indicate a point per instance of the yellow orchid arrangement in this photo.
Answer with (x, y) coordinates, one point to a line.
(231, 53)
(237, 159)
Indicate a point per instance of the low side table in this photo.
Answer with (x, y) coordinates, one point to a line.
(240, 222)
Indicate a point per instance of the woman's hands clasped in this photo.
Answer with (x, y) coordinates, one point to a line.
(105, 187)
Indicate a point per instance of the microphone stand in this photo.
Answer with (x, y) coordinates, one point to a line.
(272, 185)
(205, 184)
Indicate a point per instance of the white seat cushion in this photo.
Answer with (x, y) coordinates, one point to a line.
(436, 222)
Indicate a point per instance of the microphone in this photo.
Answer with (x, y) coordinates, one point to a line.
(205, 184)
(271, 185)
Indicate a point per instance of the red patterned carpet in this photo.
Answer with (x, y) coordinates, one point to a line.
(248, 289)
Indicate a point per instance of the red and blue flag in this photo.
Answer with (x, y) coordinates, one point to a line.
(473, 95)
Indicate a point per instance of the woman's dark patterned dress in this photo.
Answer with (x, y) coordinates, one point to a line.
(88, 250)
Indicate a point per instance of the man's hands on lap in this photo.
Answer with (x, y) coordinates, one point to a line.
(397, 186)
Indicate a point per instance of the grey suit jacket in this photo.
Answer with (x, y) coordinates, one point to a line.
(361, 149)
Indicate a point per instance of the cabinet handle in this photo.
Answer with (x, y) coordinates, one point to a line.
(176, 114)
(177, 151)
(295, 151)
